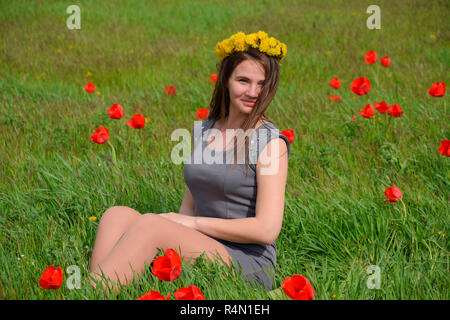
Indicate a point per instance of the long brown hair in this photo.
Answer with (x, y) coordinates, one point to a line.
(220, 101)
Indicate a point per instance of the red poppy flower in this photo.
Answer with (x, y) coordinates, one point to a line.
(368, 111)
(395, 110)
(335, 83)
(288, 133)
(170, 90)
(382, 106)
(371, 57)
(437, 89)
(89, 88)
(298, 287)
(385, 61)
(52, 278)
(137, 121)
(360, 86)
(213, 77)
(167, 267)
(202, 113)
(444, 148)
(189, 293)
(116, 111)
(393, 194)
(353, 118)
(100, 135)
(335, 98)
(153, 295)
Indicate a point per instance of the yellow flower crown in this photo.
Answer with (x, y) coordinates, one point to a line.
(260, 40)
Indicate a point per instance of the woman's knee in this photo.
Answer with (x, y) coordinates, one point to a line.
(120, 212)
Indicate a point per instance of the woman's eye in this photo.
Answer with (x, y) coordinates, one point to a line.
(243, 80)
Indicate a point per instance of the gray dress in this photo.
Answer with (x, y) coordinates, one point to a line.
(220, 191)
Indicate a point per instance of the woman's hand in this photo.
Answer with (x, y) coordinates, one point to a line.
(188, 221)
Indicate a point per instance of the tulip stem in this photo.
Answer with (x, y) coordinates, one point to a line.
(404, 208)
(113, 153)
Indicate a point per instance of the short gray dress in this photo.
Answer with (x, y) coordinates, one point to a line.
(221, 192)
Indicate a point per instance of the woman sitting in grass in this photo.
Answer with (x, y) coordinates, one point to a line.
(232, 215)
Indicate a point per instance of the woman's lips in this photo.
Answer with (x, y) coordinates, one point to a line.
(248, 103)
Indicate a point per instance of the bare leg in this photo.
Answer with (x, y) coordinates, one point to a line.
(140, 243)
(113, 224)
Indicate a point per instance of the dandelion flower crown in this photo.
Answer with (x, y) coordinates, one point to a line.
(259, 40)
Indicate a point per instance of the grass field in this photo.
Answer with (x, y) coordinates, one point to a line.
(53, 178)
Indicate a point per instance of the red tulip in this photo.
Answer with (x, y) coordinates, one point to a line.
(170, 90)
(298, 287)
(335, 83)
(89, 88)
(213, 77)
(116, 111)
(52, 278)
(335, 98)
(393, 194)
(437, 89)
(202, 113)
(395, 110)
(371, 57)
(360, 86)
(288, 133)
(382, 106)
(100, 135)
(137, 121)
(368, 111)
(153, 295)
(189, 293)
(167, 267)
(444, 148)
(385, 61)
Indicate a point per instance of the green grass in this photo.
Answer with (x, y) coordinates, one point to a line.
(53, 178)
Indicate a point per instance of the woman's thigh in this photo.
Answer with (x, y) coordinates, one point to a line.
(188, 242)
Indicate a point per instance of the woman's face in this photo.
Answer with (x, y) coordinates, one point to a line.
(245, 85)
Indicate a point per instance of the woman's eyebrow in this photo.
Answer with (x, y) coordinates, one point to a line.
(244, 77)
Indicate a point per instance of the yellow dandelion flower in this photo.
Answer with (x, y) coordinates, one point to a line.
(344, 52)
(404, 98)
(283, 50)
(227, 46)
(239, 42)
(443, 235)
(433, 36)
(333, 296)
(264, 45)
(131, 51)
(262, 35)
(59, 50)
(146, 54)
(71, 47)
(329, 52)
(147, 120)
(93, 218)
(89, 74)
(353, 13)
(205, 42)
(439, 233)
(252, 40)
(97, 93)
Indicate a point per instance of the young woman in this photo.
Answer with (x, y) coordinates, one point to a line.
(232, 215)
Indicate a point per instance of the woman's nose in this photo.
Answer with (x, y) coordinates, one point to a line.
(253, 91)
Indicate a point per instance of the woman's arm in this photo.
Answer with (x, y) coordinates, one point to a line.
(187, 205)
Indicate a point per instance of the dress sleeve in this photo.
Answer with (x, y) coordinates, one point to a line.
(264, 135)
